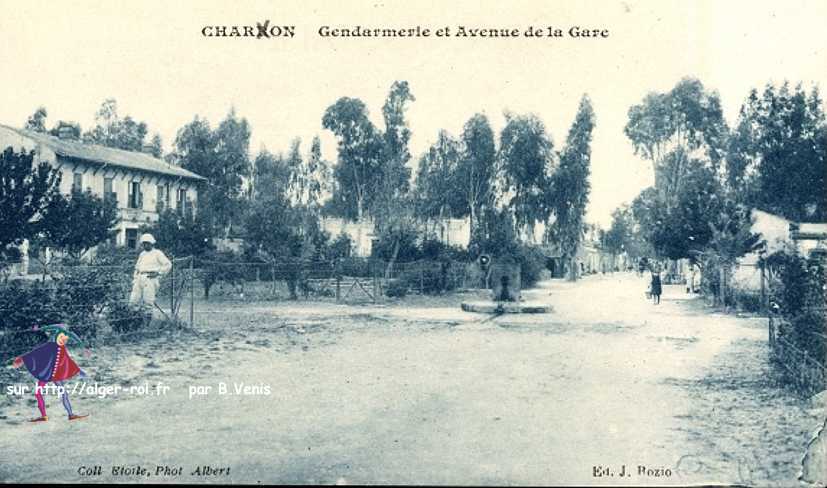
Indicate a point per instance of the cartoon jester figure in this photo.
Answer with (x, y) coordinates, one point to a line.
(51, 362)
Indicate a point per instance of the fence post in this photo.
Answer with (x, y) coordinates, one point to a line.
(338, 288)
(375, 284)
(192, 290)
(763, 287)
(172, 286)
(273, 276)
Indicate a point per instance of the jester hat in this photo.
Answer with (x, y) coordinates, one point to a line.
(54, 330)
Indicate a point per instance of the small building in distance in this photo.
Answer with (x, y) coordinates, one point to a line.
(777, 233)
(141, 184)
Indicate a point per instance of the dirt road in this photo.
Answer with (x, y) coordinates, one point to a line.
(608, 389)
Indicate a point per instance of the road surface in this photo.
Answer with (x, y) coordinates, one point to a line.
(608, 389)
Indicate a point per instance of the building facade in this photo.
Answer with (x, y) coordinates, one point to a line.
(141, 184)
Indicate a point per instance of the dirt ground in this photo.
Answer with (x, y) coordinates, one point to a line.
(608, 389)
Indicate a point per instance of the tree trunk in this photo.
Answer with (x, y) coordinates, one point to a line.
(389, 268)
(358, 225)
(472, 222)
(723, 285)
(573, 268)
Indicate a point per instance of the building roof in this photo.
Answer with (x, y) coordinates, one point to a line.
(95, 153)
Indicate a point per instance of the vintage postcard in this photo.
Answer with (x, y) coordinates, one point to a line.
(413, 242)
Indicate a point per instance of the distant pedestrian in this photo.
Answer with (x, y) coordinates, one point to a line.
(641, 266)
(151, 265)
(655, 286)
(691, 279)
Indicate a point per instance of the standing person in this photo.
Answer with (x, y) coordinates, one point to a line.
(656, 287)
(51, 362)
(690, 281)
(641, 266)
(151, 265)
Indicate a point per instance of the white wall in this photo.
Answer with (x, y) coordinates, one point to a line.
(93, 179)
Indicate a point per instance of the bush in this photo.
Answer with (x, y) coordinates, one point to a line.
(433, 249)
(397, 288)
(82, 297)
(223, 266)
(801, 300)
(24, 306)
(748, 301)
(341, 247)
(118, 256)
(807, 334)
(125, 318)
(386, 243)
(532, 264)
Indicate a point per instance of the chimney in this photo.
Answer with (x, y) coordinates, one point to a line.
(66, 132)
(147, 149)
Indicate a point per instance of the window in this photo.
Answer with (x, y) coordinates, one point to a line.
(132, 238)
(181, 200)
(77, 182)
(108, 194)
(163, 197)
(135, 196)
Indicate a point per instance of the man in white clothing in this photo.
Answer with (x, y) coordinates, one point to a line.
(151, 265)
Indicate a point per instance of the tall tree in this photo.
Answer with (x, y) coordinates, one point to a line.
(571, 185)
(614, 239)
(78, 223)
(670, 128)
(182, 233)
(360, 148)
(778, 153)
(271, 176)
(527, 158)
(477, 168)
(317, 176)
(308, 180)
(392, 207)
(62, 124)
(435, 196)
(28, 192)
(156, 146)
(113, 131)
(396, 173)
(221, 156)
(37, 121)
(625, 234)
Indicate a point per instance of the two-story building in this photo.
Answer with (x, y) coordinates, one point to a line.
(141, 184)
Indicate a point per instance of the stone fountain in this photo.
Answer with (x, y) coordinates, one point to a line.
(503, 278)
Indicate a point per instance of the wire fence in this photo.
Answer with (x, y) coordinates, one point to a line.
(95, 299)
(92, 299)
(344, 280)
(805, 370)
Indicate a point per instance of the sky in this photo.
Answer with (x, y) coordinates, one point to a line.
(152, 58)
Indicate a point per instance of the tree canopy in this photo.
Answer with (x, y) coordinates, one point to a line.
(77, 223)
(778, 153)
(670, 128)
(221, 156)
(113, 131)
(571, 182)
(29, 191)
(527, 162)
